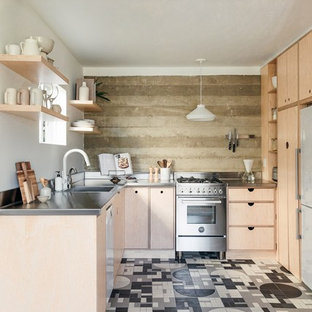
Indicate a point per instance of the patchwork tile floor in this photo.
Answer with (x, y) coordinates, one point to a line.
(198, 283)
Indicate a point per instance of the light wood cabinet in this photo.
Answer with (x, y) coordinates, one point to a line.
(162, 218)
(287, 77)
(118, 202)
(136, 218)
(288, 243)
(305, 67)
(149, 218)
(251, 222)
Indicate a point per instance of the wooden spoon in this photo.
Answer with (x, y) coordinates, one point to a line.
(160, 164)
(169, 162)
(165, 163)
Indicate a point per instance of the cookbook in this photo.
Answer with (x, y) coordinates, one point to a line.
(115, 164)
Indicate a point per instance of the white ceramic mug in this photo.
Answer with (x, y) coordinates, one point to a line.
(164, 174)
(36, 96)
(23, 96)
(30, 47)
(13, 49)
(10, 96)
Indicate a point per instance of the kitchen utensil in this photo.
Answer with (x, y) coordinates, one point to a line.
(43, 199)
(169, 162)
(151, 174)
(30, 189)
(46, 44)
(156, 171)
(230, 140)
(21, 179)
(23, 95)
(234, 141)
(36, 96)
(12, 49)
(160, 164)
(30, 47)
(10, 96)
(28, 198)
(237, 142)
(164, 163)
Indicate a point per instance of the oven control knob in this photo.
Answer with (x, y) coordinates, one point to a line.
(191, 191)
(220, 191)
(201, 229)
(209, 191)
(215, 191)
(198, 191)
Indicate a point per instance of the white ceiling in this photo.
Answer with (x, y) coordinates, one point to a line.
(164, 33)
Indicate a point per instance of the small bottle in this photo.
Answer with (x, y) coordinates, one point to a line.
(58, 182)
(151, 174)
(84, 92)
(156, 174)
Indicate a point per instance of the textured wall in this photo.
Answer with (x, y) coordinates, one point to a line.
(146, 117)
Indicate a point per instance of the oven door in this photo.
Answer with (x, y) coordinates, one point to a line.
(201, 216)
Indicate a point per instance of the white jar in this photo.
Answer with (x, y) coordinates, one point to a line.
(84, 92)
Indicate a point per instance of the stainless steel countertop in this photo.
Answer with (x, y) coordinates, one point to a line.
(238, 183)
(75, 203)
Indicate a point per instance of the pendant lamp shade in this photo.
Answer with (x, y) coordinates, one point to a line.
(201, 113)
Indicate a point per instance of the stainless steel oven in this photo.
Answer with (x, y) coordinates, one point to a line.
(200, 214)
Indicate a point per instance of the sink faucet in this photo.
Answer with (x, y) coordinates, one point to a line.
(71, 171)
(64, 173)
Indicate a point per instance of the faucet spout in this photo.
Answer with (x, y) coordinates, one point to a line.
(64, 172)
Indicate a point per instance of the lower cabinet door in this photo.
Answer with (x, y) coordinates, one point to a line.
(251, 238)
(136, 218)
(162, 218)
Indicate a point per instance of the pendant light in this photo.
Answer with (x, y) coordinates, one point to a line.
(200, 113)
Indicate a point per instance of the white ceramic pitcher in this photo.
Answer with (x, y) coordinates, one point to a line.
(30, 47)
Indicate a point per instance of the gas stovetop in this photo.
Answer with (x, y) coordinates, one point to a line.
(199, 184)
(198, 180)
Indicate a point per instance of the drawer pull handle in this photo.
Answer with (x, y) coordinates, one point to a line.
(135, 192)
(251, 204)
(251, 189)
(250, 228)
(161, 192)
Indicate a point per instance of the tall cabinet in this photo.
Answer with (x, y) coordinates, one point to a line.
(288, 143)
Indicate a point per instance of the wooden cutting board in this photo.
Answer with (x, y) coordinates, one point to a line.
(21, 179)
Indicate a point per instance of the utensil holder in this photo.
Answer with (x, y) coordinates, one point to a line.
(164, 174)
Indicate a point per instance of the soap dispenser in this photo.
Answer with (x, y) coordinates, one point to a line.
(58, 182)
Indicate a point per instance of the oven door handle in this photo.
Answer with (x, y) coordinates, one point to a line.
(198, 202)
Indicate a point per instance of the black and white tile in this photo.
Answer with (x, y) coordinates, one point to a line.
(198, 284)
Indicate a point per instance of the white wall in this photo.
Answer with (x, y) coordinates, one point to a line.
(19, 137)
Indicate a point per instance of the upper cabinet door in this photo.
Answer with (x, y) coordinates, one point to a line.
(305, 67)
(282, 80)
(292, 74)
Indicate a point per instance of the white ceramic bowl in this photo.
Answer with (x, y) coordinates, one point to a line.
(45, 43)
(43, 199)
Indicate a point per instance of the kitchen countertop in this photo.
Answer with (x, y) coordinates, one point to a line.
(238, 183)
(76, 203)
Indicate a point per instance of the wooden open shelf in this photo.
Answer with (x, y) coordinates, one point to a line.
(30, 111)
(35, 68)
(273, 151)
(273, 121)
(272, 90)
(86, 106)
(84, 130)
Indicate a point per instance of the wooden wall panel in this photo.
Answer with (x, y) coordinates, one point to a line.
(146, 117)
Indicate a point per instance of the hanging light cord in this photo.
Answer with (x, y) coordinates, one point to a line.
(200, 85)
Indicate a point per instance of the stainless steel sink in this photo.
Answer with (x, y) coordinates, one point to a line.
(91, 189)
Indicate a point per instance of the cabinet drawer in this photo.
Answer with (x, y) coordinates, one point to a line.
(251, 194)
(251, 214)
(257, 238)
